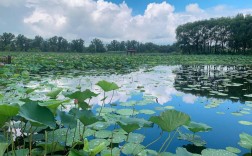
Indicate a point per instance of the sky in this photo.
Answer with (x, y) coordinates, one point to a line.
(143, 20)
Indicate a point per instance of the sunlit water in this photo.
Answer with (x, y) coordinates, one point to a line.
(157, 87)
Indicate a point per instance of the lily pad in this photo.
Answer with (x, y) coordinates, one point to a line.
(147, 111)
(135, 138)
(216, 152)
(245, 141)
(233, 150)
(245, 123)
(132, 149)
(198, 127)
(195, 139)
(103, 134)
(127, 112)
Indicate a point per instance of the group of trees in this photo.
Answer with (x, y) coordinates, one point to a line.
(10, 42)
(224, 35)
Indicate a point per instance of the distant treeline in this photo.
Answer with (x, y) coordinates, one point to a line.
(10, 42)
(224, 35)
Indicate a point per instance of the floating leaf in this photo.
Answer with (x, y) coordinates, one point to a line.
(169, 120)
(147, 111)
(95, 142)
(135, 138)
(127, 112)
(245, 123)
(198, 127)
(132, 149)
(102, 134)
(20, 152)
(107, 152)
(233, 150)
(107, 86)
(216, 152)
(195, 139)
(245, 141)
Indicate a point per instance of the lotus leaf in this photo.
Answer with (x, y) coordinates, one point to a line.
(195, 139)
(107, 86)
(37, 114)
(3, 147)
(52, 104)
(216, 152)
(103, 134)
(245, 123)
(127, 112)
(132, 148)
(95, 142)
(8, 110)
(20, 152)
(107, 152)
(67, 120)
(146, 111)
(51, 147)
(233, 150)
(198, 127)
(135, 138)
(169, 120)
(245, 141)
(54, 93)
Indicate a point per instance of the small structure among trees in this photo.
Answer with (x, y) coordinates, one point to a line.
(131, 51)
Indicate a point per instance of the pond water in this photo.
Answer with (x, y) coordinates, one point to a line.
(213, 95)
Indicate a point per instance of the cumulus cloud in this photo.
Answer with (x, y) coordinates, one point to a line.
(194, 8)
(90, 19)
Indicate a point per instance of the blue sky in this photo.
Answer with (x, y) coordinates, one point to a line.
(139, 6)
(143, 20)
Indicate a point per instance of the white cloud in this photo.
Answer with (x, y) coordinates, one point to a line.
(88, 19)
(194, 8)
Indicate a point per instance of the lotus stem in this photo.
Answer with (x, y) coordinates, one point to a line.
(102, 103)
(46, 140)
(30, 141)
(169, 135)
(171, 140)
(111, 97)
(155, 140)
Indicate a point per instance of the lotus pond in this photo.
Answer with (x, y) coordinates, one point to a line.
(163, 110)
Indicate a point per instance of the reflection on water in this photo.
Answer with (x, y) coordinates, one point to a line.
(225, 82)
(209, 94)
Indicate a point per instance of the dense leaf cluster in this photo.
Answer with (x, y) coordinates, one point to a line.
(224, 35)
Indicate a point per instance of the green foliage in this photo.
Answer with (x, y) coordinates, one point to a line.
(107, 86)
(170, 120)
(245, 141)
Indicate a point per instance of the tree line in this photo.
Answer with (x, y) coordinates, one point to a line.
(226, 35)
(10, 42)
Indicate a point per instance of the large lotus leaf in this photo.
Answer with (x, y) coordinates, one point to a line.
(216, 152)
(54, 93)
(67, 120)
(37, 114)
(195, 139)
(3, 147)
(51, 147)
(8, 110)
(87, 117)
(20, 152)
(107, 152)
(135, 138)
(169, 120)
(81, 96)
(132, 149)
(245, 141)
(107, 86)
(52, 104)
(198, 127)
